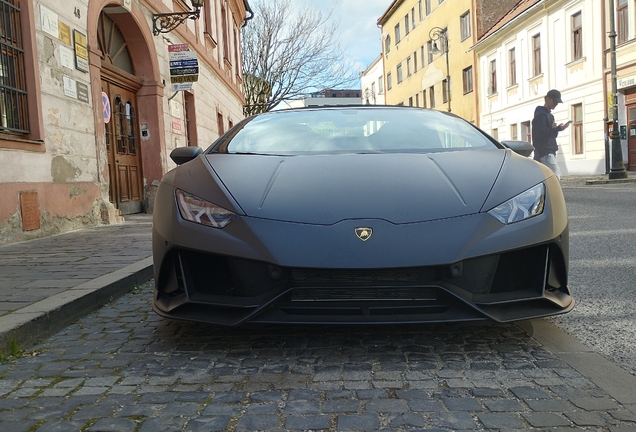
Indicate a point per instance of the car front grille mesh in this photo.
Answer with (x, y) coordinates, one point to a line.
(362, 294)
(363, 277)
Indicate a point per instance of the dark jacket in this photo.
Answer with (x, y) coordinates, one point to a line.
(543, 134)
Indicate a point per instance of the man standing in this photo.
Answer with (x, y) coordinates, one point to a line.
(545, 131)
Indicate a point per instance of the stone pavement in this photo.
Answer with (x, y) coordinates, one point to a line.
(48, 283)
(125, 369)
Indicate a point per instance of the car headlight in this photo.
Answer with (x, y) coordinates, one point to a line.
(525, 205)
(197, 210)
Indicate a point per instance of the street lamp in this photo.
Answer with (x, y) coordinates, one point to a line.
(441, 35)
(166, 22)
(618, 167)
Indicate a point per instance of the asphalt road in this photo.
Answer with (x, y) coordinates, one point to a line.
(603, 270)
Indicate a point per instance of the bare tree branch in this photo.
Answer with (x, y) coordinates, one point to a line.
(288, 53)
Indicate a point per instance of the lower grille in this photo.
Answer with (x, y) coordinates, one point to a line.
(363, 277)
(358, 294)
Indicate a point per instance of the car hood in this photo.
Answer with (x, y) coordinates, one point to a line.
(326, 189)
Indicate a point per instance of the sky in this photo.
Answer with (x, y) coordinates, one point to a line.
(357, 23)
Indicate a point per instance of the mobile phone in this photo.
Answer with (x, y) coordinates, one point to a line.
(567, 123)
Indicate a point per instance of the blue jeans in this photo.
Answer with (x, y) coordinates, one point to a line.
(550, 161)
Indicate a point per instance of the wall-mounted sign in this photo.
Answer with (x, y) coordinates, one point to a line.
(70, 87)
(622, 83)
(107, 112)
(176, 125)
(49, 21)
(82, 92)
(67, 57)
(184, 67)
(81, 53)
(65, 33)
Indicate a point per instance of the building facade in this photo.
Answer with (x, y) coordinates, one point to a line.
(427, 61)
(326, 97)
(92, 105)
(372, 83)
(537, 46)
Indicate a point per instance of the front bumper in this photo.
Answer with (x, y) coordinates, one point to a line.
(522, 284)
(455, 269)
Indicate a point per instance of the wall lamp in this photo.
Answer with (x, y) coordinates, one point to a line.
(166, 22)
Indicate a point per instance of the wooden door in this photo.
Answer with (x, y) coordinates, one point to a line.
(122, 145)
(631, 138)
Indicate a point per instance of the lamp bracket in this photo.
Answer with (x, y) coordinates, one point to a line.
(166, 22)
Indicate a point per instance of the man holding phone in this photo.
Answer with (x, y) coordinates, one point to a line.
(545, 130)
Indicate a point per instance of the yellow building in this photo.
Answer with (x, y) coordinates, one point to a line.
(418, 67)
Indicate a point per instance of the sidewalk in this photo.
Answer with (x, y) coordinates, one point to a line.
(48, 283)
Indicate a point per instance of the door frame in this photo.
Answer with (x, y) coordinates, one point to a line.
(630, 163)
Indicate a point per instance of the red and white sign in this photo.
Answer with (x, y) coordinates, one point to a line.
(106, 107)
(178, 48)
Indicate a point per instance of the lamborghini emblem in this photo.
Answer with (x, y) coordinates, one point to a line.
(364, 233)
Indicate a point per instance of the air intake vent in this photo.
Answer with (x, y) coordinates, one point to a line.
(363, 277)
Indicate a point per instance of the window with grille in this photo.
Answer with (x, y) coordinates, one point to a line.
(536, 55)
(512, 66)
(577, 128)
(577, 36)
(13, 93)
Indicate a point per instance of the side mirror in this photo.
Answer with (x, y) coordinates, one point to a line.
(181, 155)
(522, 147)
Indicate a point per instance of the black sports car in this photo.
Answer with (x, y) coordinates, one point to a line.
(365, 214)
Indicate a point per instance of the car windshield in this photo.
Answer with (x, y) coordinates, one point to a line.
(353, 129)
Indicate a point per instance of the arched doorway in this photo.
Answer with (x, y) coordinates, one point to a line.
(119, 92)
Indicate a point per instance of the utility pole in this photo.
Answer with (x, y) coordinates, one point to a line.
(618, 167)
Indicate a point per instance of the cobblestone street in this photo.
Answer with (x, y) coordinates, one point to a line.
(123, 368)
